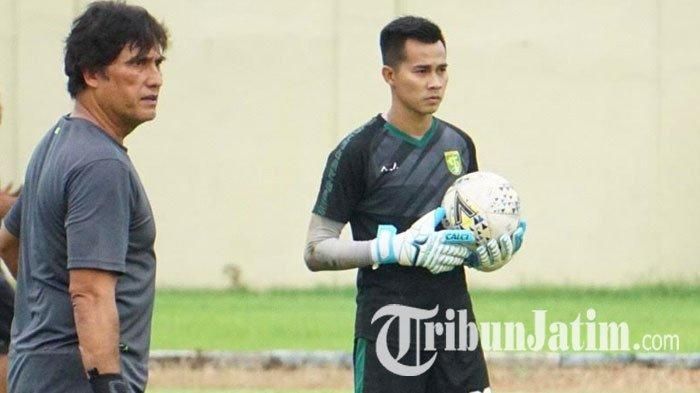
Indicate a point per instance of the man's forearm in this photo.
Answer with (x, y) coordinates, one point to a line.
(325, 251)
(9, 250)
(337, 254)
(97, 324)
(11, 259)
(6, 202)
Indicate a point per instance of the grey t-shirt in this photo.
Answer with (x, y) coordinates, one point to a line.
(82, 206)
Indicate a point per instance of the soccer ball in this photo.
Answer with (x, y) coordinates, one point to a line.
(483, 203)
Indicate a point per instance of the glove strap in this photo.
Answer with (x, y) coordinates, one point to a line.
(383, 245)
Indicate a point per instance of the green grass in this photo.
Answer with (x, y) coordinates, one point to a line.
(647, 310)
(324, 318)
(241, 320)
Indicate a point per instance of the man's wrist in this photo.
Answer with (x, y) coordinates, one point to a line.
(107, 383)
(382, 246)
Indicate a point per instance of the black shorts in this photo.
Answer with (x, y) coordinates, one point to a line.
(451, 372)
(7, 312)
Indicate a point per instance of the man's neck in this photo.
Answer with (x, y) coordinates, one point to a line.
(86, 108)
(412, 123)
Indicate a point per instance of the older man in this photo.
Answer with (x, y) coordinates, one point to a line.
(83, 223)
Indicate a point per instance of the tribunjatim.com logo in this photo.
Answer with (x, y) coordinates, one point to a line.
(458, 333)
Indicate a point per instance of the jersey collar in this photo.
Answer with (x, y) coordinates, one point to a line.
(418, 142)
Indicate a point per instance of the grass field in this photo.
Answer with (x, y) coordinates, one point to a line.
(323, 318)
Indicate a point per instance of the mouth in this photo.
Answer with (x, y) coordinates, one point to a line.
(434, 98)
(151, 99)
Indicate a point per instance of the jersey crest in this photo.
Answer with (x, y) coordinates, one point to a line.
(453, 162)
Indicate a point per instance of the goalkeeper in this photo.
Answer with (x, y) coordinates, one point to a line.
(387, 179)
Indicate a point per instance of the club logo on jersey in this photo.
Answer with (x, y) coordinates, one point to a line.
(453, 162)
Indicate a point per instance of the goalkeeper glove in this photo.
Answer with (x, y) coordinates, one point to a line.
(421, 245)
(495, 254)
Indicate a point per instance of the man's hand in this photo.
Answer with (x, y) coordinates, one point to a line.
(495, 254)
(422, 246)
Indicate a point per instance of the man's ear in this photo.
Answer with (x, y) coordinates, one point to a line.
(92, 78)
(388, 74)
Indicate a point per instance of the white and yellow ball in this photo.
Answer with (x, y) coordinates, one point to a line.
(484, 203)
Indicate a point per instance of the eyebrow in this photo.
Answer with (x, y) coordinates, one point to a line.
(421, 66)
(138, 57)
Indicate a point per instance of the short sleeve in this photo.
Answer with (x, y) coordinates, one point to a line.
(98, 216)
(13, 219)
(473, 164)
(342, 185)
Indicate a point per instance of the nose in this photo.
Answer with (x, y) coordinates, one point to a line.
(155, 77)
(436, 81)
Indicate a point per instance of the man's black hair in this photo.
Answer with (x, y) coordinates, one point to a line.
(101, 32)
(394, 35)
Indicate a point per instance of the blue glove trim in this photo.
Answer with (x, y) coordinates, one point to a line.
(439, 215)
(458, 236)
(518, 235)
(385, 237)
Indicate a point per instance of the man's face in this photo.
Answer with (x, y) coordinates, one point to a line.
(128, 90)
(419, 81)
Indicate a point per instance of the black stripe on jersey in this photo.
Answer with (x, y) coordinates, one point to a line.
(428, 195)
(403, 151)
(414, 205)
(424, 152)
(377, 142)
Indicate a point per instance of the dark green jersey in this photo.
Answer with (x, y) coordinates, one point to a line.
(380, 175)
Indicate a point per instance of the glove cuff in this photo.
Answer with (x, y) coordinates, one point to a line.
(382, 246)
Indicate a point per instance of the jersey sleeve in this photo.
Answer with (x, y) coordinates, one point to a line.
(98, 216)
(13, 219)
(342, 185)
(473, 164)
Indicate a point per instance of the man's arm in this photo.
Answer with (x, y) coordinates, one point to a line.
(419, 246)
(325, 251)
(97, 232)
(7, 199)
(92, 295)
(9, 250)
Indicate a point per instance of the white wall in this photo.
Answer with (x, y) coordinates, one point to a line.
(590, 108)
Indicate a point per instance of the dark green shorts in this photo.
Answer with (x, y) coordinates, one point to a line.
(452, 371)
